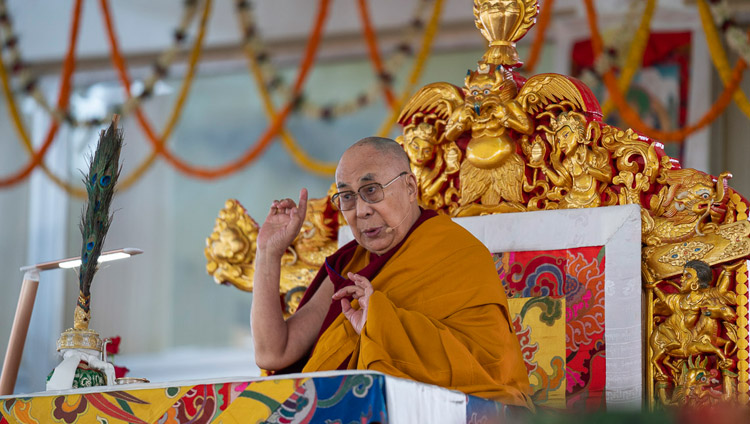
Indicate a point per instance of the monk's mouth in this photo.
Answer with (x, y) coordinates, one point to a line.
(372, 232)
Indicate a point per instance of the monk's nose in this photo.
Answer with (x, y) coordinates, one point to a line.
(363, 209)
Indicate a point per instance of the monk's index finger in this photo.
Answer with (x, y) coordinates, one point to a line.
(348, 290)
(302, 202)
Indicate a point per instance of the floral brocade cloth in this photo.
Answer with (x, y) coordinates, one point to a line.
(556, 301)
(354, 398)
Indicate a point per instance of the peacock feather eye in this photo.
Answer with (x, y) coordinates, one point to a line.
(104, 181)
(93, 178)
(85, 258)
(89, 246)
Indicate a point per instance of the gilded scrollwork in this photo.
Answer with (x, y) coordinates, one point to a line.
(636, 162)
(230, 249)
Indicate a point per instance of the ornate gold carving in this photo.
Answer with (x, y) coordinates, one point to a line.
(82, 312)
(568, 159)
(492, 171)
(687, 324)
(494, 113)
(687, 251)
(580, 169)
(542, 90)
(636, 163)
(230, 249)
(502, 23)
(693, 385)
(73, 338)
(432, 159)
(743, 386)
(682, 206)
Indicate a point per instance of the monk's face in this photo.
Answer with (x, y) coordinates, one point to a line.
(377, 226)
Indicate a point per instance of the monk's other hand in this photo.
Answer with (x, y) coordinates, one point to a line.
(361, 290)
(282, 224)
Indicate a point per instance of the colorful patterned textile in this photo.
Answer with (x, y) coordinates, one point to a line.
(541, 286)
(342, 398)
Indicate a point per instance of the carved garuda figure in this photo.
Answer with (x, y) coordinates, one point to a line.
(489, 120)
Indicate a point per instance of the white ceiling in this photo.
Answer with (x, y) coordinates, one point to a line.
(146, 26)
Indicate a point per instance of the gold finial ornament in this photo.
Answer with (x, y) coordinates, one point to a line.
(502, 23)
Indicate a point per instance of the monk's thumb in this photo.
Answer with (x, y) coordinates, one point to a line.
(346, 308)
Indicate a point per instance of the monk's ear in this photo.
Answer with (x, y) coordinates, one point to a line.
(411, 186)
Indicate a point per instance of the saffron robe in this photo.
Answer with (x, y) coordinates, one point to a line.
(438, 315)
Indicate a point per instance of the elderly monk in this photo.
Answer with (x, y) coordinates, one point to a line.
(414, 295)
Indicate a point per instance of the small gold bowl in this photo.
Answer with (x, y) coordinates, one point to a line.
(130, 380)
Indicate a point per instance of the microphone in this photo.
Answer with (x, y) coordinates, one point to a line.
(390, 229)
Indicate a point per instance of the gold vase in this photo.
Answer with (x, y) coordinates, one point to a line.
(502, 23)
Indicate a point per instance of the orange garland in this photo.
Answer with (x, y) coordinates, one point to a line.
(119, 63)
(62, 102)
(631, 117)
(265, 139)
(372, 48)
(541, 30)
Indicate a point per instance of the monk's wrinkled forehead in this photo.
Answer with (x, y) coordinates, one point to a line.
(361, 165)
(372, 159)
(364, 179)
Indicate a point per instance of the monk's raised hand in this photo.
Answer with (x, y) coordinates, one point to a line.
(282, 224)
(361, 290)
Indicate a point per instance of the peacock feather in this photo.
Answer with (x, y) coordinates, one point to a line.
(100, 186)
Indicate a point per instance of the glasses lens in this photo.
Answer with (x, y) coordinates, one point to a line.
(345, 200)
(371, 193)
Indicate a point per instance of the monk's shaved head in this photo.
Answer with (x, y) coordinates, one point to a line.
(386, 147)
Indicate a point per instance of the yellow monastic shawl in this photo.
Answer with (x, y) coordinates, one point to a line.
(439, 315)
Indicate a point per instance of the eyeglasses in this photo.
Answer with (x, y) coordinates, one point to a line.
(370, 193)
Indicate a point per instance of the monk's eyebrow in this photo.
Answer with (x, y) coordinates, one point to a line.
(367, 178)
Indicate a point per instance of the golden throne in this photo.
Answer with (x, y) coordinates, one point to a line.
(503, 143)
